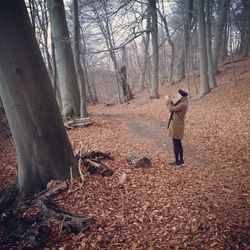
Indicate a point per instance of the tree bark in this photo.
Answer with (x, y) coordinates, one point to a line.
(145, 56)
(42, 146)
(64, 59)
(211, 75)
(55, 77)
(171, 44)
(79, 69)
(155, 55)
(219, 32)
(95, 94)
(123, 76)
(180, 64)
(204, 86)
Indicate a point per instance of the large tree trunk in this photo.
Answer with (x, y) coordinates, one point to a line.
(155, 56)
(219, 32)
(64, 59)
(79, 69)
(187, 17)
(211, 75)
(55, 77)
(204, 86)
(224, 45)
(42, 146)
(145, 56)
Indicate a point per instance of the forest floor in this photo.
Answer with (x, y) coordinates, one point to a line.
(203, 205)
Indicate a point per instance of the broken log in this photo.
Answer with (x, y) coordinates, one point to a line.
(98, 155)
(94, 167)
(109, 104)
(138, 161)
(91, 161)
(74, 123)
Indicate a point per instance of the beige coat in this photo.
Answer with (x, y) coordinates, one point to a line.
(176, 128)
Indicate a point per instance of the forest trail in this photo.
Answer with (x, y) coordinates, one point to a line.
(158, 133)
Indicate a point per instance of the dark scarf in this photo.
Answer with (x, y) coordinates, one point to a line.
(172, 113)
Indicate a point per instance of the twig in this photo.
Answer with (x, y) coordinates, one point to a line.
(79, 164)
(61, 227)
(71, 175)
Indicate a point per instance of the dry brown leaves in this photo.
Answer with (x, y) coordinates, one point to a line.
(205, 205)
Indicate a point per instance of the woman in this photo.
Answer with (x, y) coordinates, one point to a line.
(178, 112)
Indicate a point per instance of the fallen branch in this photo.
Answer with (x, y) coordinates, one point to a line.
(74, 123)
(94, 167)
(234, 61)
(98, 155)
(79, 164)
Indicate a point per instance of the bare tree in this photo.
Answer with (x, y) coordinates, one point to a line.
(64, 59)
(155, 57)
(219, 32)
(43, 150)
(79, 70)
(187, 8)
(204, 86)
(170, 42)
(145, 55)
(211, 74)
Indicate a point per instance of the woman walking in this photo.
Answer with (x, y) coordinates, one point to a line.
(178, 112)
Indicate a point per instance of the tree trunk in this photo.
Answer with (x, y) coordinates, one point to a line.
(64, 59)
(224, 45)
(219, 32)
(211, 75)
(171, 44)
(123, 76)
(43, 150)
(88, 90)
(204, 86)
(79, 69)
(145, 56)
(55, 77)
(155, 56)
(187, 16)
(95, 94)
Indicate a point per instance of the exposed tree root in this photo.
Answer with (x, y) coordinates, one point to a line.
(30, 229)
(10, 199)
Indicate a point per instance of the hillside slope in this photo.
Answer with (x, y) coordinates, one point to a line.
(204, 205)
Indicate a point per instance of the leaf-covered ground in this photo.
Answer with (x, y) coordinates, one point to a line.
(204, 205)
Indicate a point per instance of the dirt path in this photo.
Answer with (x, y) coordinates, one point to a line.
(157, 132)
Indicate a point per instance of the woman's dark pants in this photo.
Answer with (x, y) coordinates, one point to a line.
(178, 151)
